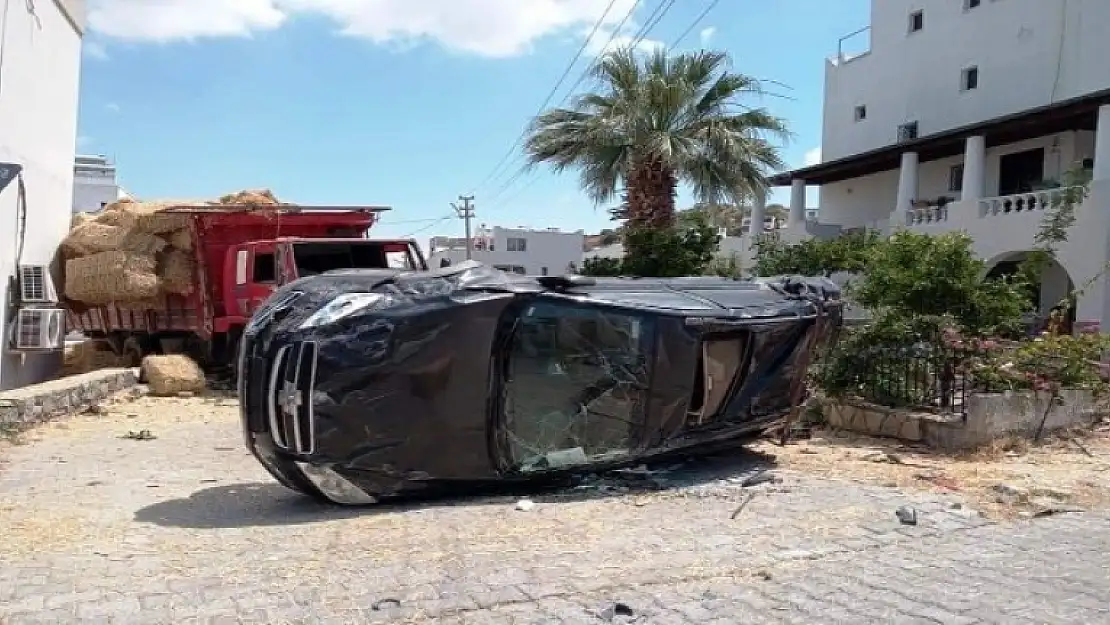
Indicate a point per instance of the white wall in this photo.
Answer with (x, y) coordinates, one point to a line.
(1029, 53)
(38, 129)
(90, 194)
(860, 201)
(545, 251)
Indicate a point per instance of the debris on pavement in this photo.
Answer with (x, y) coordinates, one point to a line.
(740, 508)
(763, 477)
(524, 505)
(141, 435)
(385, 604)
(610, 612)
(907, 515)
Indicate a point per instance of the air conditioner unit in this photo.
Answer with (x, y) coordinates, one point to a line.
(36, 286)
(38, 329)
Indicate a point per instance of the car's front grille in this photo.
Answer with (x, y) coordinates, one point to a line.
(289, 390)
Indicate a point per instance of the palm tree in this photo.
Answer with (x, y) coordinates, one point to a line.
(657, 121)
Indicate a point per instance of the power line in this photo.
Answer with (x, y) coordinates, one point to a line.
(694, 24)
(547, 100)
(429, 226)
(652, 21)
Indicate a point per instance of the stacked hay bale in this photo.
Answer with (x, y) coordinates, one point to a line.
(135, 254)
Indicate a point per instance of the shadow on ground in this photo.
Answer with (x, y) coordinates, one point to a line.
(270, 504)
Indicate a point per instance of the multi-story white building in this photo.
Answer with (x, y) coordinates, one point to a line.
(519, 250)
(965, 115)
(38, 136)
(94, 183)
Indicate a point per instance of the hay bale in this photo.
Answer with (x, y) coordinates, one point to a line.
(177, 273)
(113, 276)
(150, 217)
(138, 242)
(251, 197)
(93, 237)
(170, 375)
(80, 219)
(88, 356)
(182, 239)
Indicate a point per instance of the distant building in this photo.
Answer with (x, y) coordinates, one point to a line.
(94, 184)
(521, 250)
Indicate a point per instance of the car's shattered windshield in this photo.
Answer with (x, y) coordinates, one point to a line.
(576, 385)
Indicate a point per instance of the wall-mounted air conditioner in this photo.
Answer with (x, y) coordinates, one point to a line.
(36, 286)
(38, 329)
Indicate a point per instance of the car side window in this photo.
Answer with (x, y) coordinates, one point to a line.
(576, 385)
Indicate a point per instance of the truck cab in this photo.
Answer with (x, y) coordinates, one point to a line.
(253, 270)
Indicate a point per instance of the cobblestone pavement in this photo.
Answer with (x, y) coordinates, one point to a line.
(186, 528)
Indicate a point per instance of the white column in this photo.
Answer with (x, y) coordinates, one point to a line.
(975, 169)
(759, 212)
(797, 203)
(907, 187)
(1102, 144)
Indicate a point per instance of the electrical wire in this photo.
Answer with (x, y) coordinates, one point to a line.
(652, 21)
(550, 95)
(694, 24)
(429, 226)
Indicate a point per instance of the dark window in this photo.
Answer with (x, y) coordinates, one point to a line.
(917, 21)
(971, 4)
(265, 269)
(316, 258)
(907, 132)
(956, 178)
(861, 113)
(543, 271)
(576, 385)
(969, 79)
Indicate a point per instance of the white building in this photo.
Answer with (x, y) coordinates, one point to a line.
(964, 115)
(520, 250)
(38, 135)
(94, 183)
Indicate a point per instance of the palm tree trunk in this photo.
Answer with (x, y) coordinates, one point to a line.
(650, 196)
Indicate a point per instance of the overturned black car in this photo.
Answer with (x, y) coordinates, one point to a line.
(363, 384)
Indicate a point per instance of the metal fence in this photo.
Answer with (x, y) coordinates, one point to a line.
(929, 375)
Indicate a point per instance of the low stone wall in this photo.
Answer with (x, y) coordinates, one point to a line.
(42, 402)
(989, 416)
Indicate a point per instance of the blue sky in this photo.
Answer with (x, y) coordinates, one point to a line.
(406, 103)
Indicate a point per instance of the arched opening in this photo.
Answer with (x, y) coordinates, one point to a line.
(1055, 285)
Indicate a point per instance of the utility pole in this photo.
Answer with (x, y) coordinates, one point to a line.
(466, 213)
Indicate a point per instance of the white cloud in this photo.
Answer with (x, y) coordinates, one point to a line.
(112, 107)
(812, 157)
(706, 36)
(94, 50)
(493, 28)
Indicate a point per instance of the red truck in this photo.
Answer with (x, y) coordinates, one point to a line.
(241, 256)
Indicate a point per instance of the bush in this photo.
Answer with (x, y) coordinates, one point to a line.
(661, 253)
(814, 257)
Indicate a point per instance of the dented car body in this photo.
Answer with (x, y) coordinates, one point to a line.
(364, 384)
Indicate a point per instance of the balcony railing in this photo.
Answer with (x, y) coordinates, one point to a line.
(1019, 202)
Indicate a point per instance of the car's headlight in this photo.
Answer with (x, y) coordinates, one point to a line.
(343, 306)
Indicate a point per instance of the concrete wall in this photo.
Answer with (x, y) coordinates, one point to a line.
(38, 129)
(1029, 53)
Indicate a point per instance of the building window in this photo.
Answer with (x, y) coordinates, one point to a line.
(514, 244)
(970, 4)
(907, 132)
(956, 178)
(861, 113)
(543, 271)
(969, 79)
(917, 21)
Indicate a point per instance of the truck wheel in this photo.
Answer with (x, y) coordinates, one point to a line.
(133, 352)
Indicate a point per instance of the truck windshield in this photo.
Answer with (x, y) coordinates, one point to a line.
(315, 258)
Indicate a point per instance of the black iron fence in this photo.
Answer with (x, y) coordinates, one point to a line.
(928, 375)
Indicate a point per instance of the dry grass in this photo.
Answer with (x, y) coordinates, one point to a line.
(88, 356)
(177, 272)
(1070, 469)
